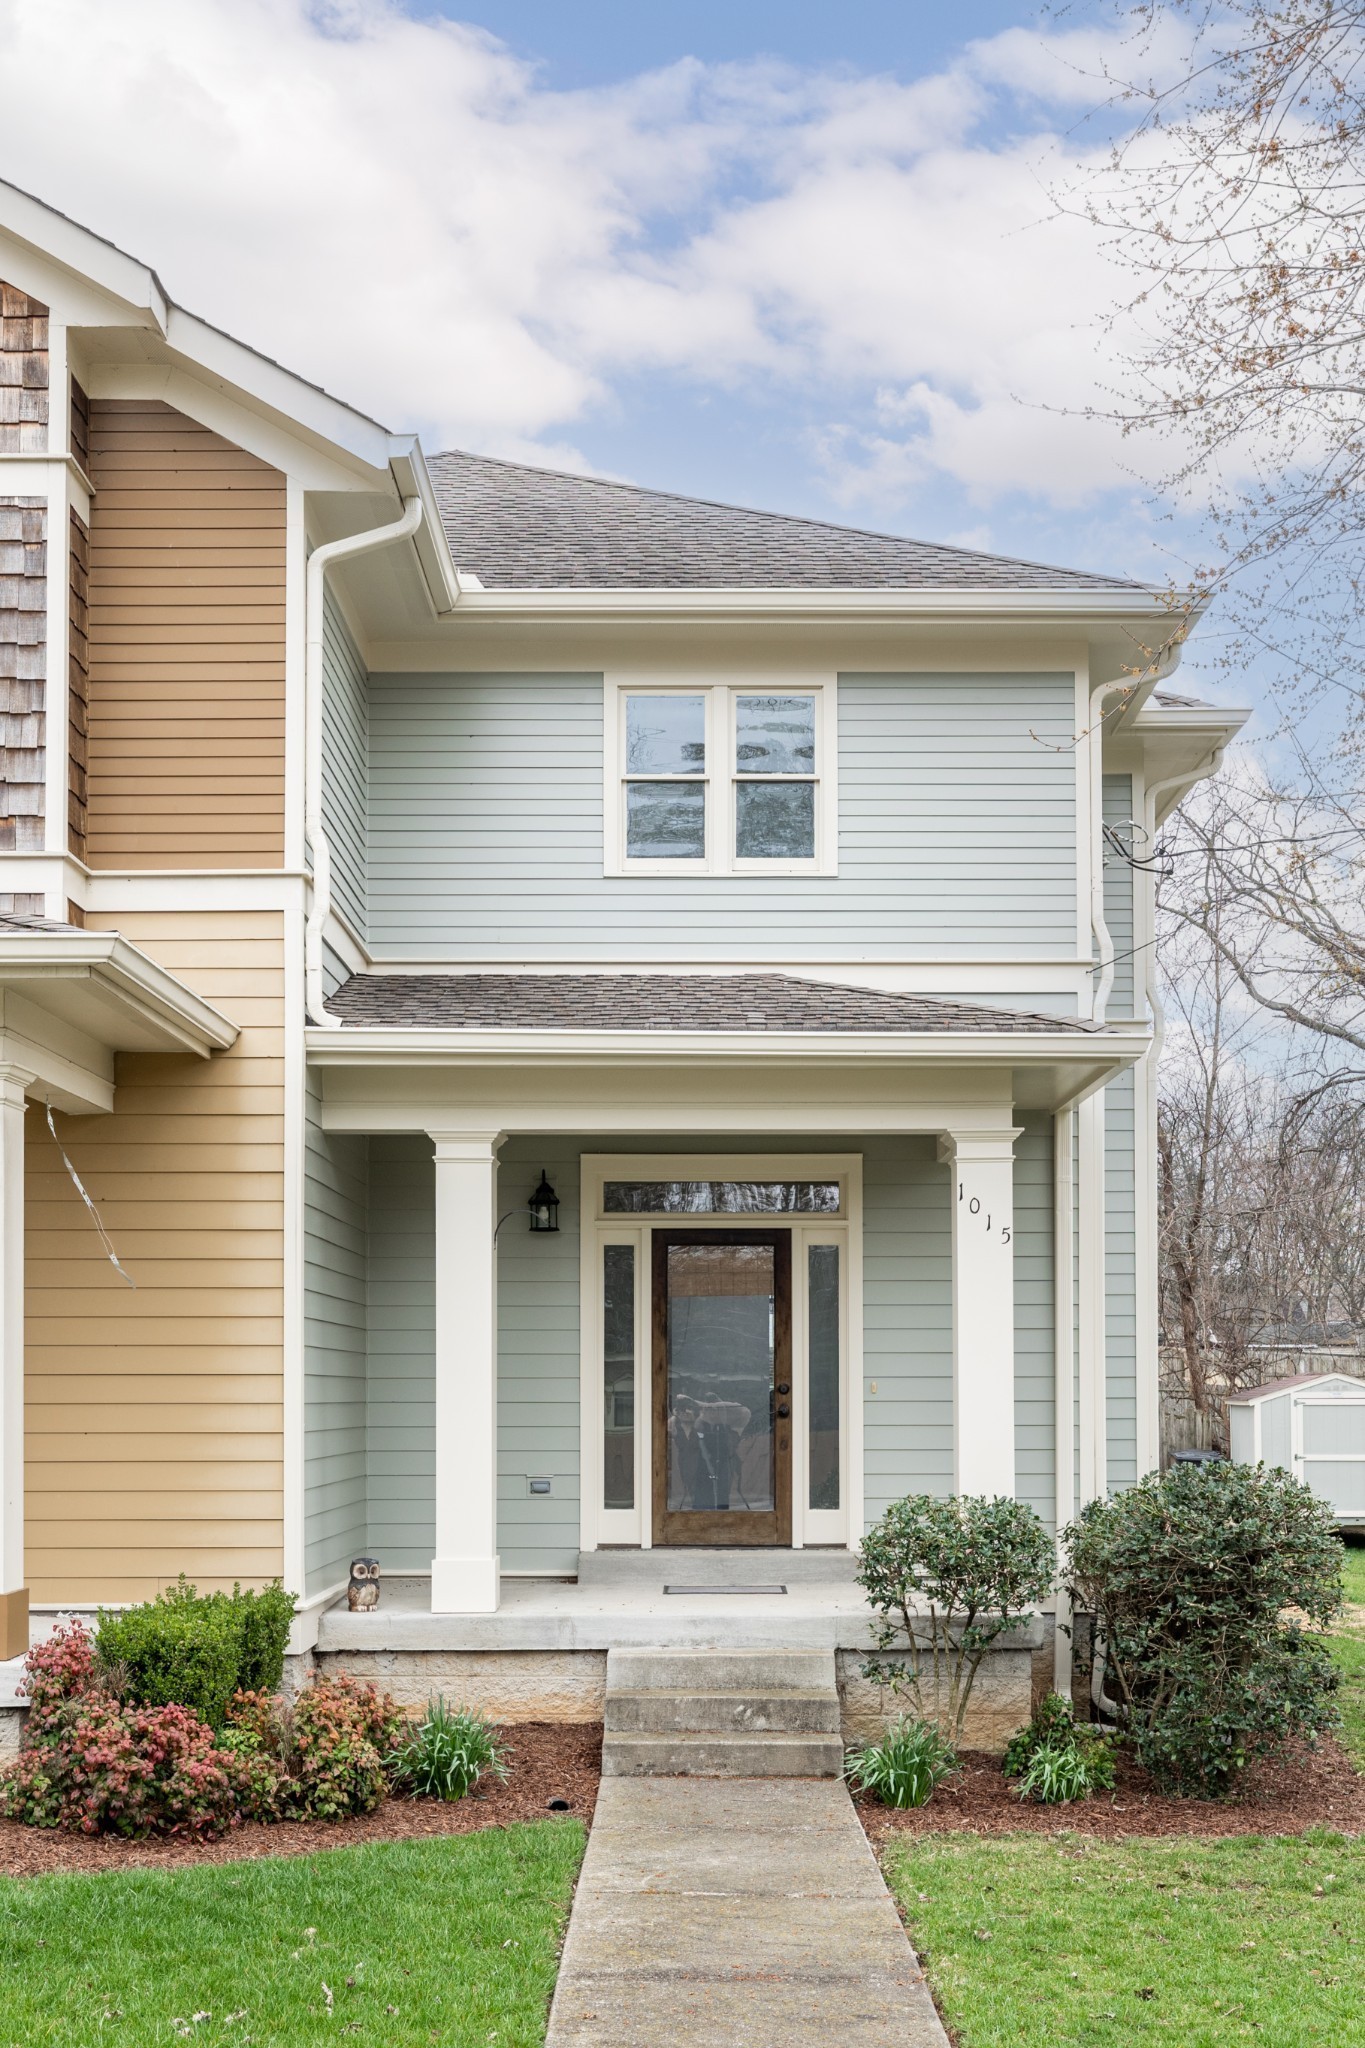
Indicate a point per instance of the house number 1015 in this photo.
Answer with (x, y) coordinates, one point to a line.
(974, 1209)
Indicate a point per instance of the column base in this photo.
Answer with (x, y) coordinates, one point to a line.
(14, 1624)
(465, 1585)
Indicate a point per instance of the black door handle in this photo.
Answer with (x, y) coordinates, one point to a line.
(783, 1410)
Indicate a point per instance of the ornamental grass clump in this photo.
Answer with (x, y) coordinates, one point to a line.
(1211, 1590)
(1057, 1759)
(446, 1753)
(905, 1766)
(946, 1579)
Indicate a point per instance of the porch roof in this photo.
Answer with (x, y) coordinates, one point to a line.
(663, 1002)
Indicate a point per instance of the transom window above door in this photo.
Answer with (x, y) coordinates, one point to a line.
(720, 778)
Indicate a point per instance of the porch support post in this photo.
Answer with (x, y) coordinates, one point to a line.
(13, 1592)
(982, 1200)
(464, 1571)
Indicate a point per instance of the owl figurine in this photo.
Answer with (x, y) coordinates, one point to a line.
(363, 1589)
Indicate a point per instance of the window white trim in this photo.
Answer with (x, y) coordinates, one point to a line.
(721, 776)
(599, 1525)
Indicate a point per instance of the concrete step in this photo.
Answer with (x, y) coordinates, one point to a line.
(703, 1755)
(698, 1566)
(668, 1670)
(738, 1713)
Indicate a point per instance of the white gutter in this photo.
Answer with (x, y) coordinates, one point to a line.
(1098, 926)
(1064, 1379)
(319, 562)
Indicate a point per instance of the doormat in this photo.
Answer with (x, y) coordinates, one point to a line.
(708, 1590)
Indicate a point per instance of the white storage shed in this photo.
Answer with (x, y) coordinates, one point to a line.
(1312, 1425)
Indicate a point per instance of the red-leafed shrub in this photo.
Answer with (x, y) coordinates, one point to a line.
(96, 1766)
(331, 1745)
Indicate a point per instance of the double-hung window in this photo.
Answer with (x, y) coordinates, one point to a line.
(720, 777)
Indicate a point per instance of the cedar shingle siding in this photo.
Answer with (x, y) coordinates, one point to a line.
(23, 668)
(23, 373)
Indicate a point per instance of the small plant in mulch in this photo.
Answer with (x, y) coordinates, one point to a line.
(446, 1753)
(946, 1580)
(1058, 1759)
(905, 1765)
(322, 1756)
(1211, 1590)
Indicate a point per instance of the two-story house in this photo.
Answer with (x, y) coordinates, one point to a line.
(554, 1034)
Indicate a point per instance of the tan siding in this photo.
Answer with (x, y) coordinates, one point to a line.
(155, 1417)
(186, 685)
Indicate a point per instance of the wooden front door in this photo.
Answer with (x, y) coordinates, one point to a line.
(722, 1386)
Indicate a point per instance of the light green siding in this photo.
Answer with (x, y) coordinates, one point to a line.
(335, 1514)
(907, 1342)
(345, 752)
(401, 1416)
(956, 828)
(1120, 1245)
(1034, 1297)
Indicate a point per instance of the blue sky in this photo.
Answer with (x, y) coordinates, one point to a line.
(798, 256)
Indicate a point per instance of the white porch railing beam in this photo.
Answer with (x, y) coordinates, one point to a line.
(465, 1569)
(982, 1204)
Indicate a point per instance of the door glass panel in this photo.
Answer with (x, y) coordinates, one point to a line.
(822, 1274)
(721, 1311)
(774, 820)
(618, 1376)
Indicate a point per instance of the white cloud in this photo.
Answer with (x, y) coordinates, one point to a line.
(398, 208)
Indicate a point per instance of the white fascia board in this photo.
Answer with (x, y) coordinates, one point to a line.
(362, 1046)
(1026, 606)
(158, 1000)
(413, 478)
(88, 256)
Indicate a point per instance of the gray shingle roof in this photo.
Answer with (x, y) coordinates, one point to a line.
(658, 1002)
(10, 921)
(518, 528)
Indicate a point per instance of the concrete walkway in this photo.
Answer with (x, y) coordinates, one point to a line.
(735, 1913)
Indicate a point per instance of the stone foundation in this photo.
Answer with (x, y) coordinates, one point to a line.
(11, 1731)
(507, 1685)
(1001, 1701)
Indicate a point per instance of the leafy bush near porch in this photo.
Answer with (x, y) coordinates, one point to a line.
(1210, 1590)
(94, 1764)
(906, 1766)
(321, 1756)
(1058, 1759)
(947, 1579)
(196, 1650)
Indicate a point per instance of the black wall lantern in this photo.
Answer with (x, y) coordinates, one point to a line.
(544, 1206)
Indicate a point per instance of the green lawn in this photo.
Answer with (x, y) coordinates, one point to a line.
(1059, 1942)
(1353, 1571)
(453, 1941)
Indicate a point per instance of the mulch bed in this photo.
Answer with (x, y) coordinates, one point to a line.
(1320, 1788)
(547, 1760)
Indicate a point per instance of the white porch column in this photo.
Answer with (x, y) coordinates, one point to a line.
(13, 1592)
(464, 1571)
(983, 1308)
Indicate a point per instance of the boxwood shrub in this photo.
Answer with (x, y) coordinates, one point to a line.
(196, 1650)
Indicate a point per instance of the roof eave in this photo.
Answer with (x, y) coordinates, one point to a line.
(409, 1045)
(752, 603)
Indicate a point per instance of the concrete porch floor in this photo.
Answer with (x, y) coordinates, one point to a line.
(619, 1602)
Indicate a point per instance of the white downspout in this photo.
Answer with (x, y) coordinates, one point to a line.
(1098, 924)
(1064, 1376)
(319, 562)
